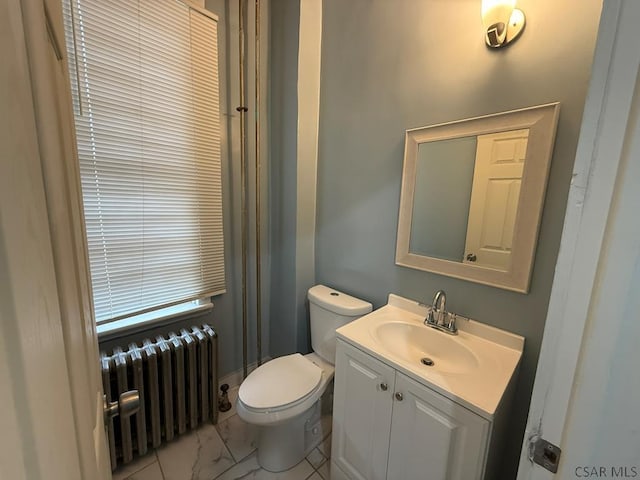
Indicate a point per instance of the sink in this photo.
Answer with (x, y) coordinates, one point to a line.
(472, 368)
(421, 345)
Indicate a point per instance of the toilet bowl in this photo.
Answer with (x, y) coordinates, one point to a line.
(283, 396)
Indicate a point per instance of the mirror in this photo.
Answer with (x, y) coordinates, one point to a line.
(472, 196)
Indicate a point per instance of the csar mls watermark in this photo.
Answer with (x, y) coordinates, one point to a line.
(591, 471)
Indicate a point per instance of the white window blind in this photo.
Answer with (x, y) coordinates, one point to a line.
(144, 80)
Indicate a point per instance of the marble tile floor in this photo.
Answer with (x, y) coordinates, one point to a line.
(225, 451)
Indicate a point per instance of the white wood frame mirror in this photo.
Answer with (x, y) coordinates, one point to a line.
(508, 165)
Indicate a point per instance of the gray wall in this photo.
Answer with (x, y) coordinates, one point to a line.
(442, 196)
(392, 65)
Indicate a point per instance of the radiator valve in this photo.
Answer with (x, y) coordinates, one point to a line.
(223, 403)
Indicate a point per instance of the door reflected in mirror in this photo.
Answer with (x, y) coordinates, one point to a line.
(472, 196)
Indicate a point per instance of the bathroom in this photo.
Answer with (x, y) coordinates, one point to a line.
(332, 148)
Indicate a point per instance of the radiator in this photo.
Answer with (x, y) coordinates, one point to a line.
(177, 378)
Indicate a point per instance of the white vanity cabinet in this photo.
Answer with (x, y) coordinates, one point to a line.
(388, 426)
(363, 392)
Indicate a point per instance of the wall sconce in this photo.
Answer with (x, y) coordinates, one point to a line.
(502, 22)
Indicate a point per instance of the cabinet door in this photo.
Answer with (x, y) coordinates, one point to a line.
(361, 414)
(434, 438)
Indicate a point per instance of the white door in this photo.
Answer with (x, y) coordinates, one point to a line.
(432, 437)
(50, 392)
(586, 395)
(362, 414)
(495, 192)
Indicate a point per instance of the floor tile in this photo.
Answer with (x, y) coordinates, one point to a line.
(325, 471)
(139, 463)
(249, 469)
(233, 396)
(239, 436)
(151, 472)
(315, 458)
(198, 455)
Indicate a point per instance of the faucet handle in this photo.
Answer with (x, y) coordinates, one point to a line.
(450, 322)
(431, 319)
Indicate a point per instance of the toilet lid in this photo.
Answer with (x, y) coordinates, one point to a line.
(279, 382)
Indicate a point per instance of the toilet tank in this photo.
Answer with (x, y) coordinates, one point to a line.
(330, 309)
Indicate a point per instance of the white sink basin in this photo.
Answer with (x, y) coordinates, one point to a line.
(415, 343)
(472, 368)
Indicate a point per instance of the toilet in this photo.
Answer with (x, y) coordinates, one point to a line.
(283, 396)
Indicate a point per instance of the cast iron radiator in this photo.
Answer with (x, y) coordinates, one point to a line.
(177, 379)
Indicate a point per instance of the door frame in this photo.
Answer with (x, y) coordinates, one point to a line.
(600, 147)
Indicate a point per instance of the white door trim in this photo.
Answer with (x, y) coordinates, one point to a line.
(599, 151)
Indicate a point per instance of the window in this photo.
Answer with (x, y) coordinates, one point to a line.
(144, 81)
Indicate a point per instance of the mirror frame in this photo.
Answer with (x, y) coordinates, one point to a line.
(542, 122)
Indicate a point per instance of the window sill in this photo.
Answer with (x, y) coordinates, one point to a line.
(145, 321)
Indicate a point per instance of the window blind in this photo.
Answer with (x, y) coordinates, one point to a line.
(144, 81)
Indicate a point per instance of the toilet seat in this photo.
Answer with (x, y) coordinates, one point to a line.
(283, 388)
(280, 383)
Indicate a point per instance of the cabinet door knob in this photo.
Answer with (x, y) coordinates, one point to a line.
(384, 387)
(399, 396)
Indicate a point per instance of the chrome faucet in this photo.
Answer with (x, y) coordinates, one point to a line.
(438, 317)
